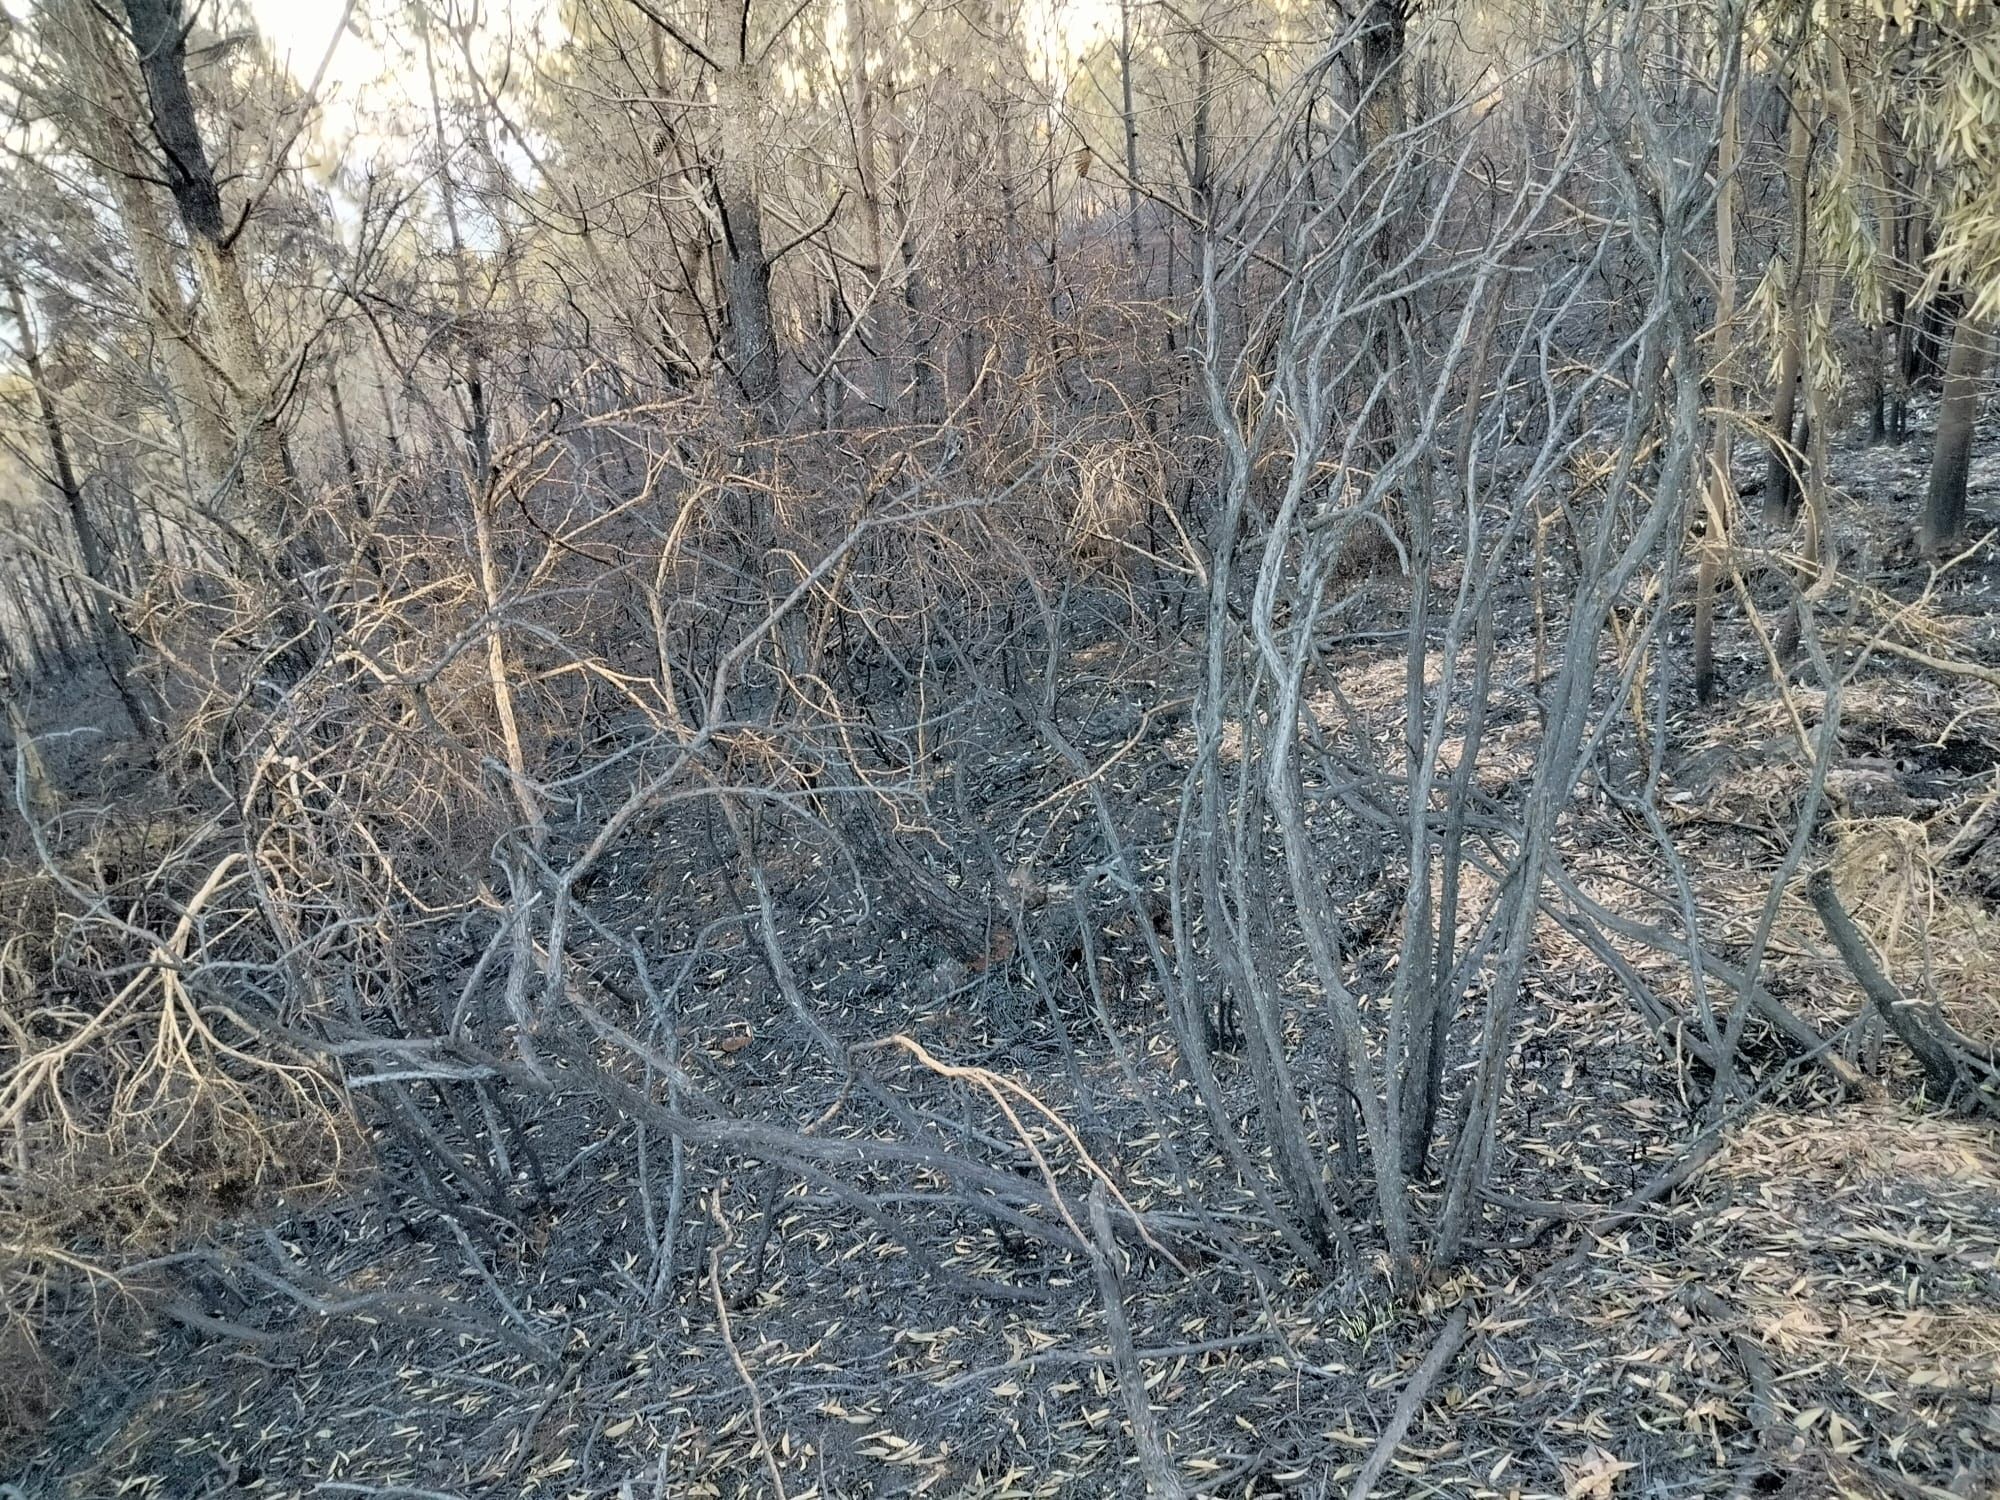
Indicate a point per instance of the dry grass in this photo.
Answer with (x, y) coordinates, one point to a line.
(1939, 946)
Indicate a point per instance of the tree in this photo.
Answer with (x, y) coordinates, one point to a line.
(1943, 522)
(736, 83)
(159, 36)
(1955, 125)
(1787, 442)
(109, 632)
(1719, 493)
(101, 117)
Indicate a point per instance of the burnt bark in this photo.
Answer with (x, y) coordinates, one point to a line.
(1943, 521)
(159, 34)
(747, 271)
(113, 642)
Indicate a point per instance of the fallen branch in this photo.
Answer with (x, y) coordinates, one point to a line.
(1154, 1460)
(1943, 1064)
(1410, 1403)
(1756, 1369)
(742, 1370)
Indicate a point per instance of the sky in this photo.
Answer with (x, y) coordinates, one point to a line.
(364, 83)
(363, 80)
(300, 30)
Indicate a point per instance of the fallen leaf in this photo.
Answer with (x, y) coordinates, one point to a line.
(1593, 1476)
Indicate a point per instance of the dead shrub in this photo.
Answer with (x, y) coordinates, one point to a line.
(140, 1103)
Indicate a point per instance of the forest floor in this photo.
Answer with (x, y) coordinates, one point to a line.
(1815, 1311)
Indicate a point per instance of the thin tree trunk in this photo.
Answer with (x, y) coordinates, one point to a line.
(112, 640)
(1816, 428)
(1720, 489)
(159, 32)
(204, 430)
(924, 404)
(866, 150)
(1130, 120)
(348, 462)
(1781, 485)
(1943, 522)
(478, 433)
(479, 483)
(738, 135)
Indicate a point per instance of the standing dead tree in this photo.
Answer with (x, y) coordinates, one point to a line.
(159, 33)
(111, 636)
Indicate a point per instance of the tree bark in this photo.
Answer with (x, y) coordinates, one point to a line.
(1951, 458)
(114, 643)
(159, 34)
(1781, 482)
(738, 134)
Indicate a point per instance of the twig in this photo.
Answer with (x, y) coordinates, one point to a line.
(1154, 1461)
(998, 1087)
(1095, 1357)
(742, 1370)
(1749, 1354)
(1756, 1369)
(1944, 665)
(478, 1264)
(578, 1364)
(1941, 1062)
(1410, 1402)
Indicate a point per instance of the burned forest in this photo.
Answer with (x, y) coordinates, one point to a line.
(999, 748)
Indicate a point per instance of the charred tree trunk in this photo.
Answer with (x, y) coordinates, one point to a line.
(84, 42)
(738, 134)
(1720, 488)
(1951, 458)
(923, 382)
(1781, 477)
(1129, 118)
(113, 642)
(159, 34)
(866, 151)
(1384, 37)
